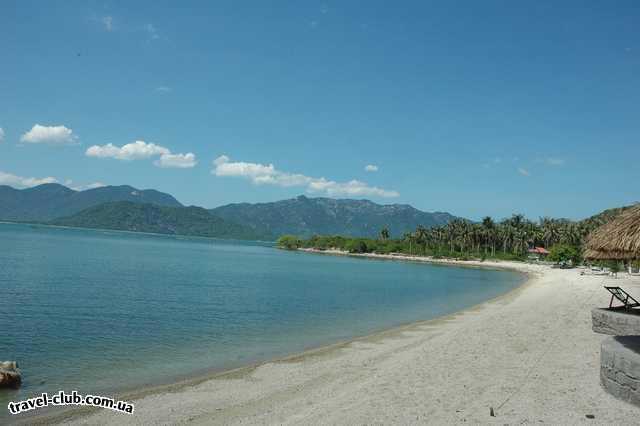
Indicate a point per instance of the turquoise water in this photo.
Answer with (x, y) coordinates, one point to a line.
(100, 311)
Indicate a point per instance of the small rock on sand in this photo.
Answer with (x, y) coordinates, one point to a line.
(10, 376)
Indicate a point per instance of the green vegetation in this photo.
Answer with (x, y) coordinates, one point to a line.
(565, 253)
(367, 226)
(509, 239)
(289, 242)
(305, 217)
(614, 267)
(51, 200)
(137, 217)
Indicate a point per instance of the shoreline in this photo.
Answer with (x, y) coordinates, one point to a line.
(529, 353)
(77, 413)
(124, 231)
(505, 265)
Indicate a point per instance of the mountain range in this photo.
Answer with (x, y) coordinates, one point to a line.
(51, 200)
(145, 217)
(303, 216)
(127, 208)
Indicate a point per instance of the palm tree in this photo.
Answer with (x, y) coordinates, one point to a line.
(506, 231)
(384, 234)
(408, 237)
(490, 233)
(517, 220)
(421, 236)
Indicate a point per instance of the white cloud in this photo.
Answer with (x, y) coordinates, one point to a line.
(140, 150)
(554, 161)
(107, 21)
(132, 151)
(23, 182)
(221, 160)
(152, 31)
(1, 134)
(371, 168)
(69, 183)
(180, 161)
(523, 172)
(351, 188)
(261, 174)
(55, 135)
(163, 89)
(95, 185)
(253, 170)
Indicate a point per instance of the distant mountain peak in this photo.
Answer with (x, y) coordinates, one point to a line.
(302, 215)
(44, 187)
(305, 216)
(52, 200)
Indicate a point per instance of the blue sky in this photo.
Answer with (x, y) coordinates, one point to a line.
(476, 108)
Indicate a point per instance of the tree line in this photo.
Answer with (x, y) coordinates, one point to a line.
(510, 238)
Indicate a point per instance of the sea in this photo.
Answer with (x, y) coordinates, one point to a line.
(103, 312)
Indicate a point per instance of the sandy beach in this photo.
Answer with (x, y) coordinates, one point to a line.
(530, 355)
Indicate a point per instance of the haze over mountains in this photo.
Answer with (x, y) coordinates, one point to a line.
(128, 208)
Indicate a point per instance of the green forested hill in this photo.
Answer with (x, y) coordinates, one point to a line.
(305, 216)
(52, 200)
(137, 217)
(603, 217)
(127, 208)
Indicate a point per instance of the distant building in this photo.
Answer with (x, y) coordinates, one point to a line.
(538, 253)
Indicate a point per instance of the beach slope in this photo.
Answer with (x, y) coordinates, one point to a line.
(530, 355)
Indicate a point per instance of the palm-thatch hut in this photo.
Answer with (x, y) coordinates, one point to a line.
(619, 355)
(616, 240)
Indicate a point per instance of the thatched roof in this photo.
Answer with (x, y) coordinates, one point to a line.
(609, 255)
(618, 239)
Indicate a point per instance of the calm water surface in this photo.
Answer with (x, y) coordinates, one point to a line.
(100, 311)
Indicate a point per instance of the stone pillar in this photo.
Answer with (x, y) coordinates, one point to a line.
(620, 367)
(619, 354)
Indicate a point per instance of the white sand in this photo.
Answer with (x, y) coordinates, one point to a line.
(531, 355)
